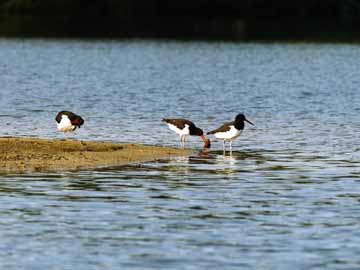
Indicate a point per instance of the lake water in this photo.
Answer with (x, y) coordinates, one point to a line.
(288, 197)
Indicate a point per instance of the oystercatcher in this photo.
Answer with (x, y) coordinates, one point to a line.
(68, 121)
(229, 131)
(184, 128)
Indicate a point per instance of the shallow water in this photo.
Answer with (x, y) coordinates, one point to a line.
(288, 197)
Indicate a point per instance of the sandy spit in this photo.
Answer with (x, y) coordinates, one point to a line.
(19, 155)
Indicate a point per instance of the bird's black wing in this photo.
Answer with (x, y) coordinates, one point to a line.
(179, 123)
(225, 127)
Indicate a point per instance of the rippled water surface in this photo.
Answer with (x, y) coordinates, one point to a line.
(288, 197)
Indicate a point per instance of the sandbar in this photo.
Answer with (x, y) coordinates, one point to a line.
(19, 154)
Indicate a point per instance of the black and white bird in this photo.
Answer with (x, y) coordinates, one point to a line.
(229, 131)
(68, 121)
(184, 128)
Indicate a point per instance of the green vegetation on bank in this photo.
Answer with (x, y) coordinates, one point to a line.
(233, 19)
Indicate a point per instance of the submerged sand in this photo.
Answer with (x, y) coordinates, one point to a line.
(33, 154)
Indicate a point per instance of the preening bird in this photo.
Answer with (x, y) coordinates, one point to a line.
(68, 121)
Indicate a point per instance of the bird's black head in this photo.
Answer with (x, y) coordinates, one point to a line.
(196, 131)
(240, 118)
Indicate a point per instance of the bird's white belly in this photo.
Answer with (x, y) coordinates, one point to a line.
(230, 135)
(65, 125)
(181, 132)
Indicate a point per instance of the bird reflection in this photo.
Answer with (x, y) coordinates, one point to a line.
(204, 152)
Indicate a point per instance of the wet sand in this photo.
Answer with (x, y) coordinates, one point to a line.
(32, 154)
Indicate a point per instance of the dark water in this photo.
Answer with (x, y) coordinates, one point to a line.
(288, 198)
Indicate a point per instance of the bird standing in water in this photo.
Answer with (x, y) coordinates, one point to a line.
(184, 128)
(229, 131)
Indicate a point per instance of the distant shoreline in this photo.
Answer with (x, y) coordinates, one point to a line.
(21, 155)
(175, 27)
(217, 20)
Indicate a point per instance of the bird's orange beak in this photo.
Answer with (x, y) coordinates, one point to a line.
(207, 143)
(249, 122)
